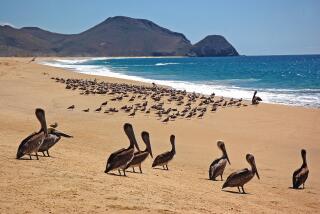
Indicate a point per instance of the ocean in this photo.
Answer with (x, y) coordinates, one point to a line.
(289, 80)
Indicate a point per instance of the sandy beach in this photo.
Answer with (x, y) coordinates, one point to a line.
(73, 179)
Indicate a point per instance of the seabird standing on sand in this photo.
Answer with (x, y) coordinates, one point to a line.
(243, 176)
(119, 159)
(255, 99)
(300, 176)
(32, 143)
(218, 165)
(141, 156)
(164, 158)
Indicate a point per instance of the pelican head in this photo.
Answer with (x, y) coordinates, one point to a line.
(40, 114)
(130, 134)
(251, 161)
(146, 140)
(172, 140)
(221, 146)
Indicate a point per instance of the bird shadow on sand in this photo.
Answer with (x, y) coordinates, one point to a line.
(236, 192)
(300, 188)
(158, 168)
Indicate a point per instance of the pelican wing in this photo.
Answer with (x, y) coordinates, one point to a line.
(300, 176)
(236, 178)
(162, 158)
(49, 142)
(217, 167)
(138, 158)
(30, 144)
(119, 159)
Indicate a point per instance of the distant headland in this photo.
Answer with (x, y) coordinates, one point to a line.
(116, 36)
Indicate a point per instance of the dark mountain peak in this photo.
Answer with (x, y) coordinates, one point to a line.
(115, 36)
(214, 45)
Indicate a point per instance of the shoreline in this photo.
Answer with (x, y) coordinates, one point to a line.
(73, 179)
(176, 84)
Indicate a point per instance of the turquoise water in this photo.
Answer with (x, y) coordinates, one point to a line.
(291, 80)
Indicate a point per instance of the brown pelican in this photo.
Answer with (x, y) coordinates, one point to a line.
(164, 158)
(255, 99)
(218, 165)
(119, 159)
(300, 175)
(243, 176)
(32, 143)
(141, 156)
(53, 137)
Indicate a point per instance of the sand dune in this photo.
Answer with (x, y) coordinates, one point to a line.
(73, 179)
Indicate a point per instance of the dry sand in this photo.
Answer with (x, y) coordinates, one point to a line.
(73, 179)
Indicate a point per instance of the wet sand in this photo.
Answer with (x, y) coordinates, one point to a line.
(73, 179)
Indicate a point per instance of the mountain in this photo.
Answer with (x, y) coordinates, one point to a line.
(213, 45)
(116, 36)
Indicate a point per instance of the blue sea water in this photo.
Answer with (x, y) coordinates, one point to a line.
(290, 80)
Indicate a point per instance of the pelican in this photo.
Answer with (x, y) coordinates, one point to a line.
(255, 99)
(32, 143)
(243, 176)
(218, 165)
(53, 137)
(119, 159)
(300, 175)
(141, 156)
(164, 158)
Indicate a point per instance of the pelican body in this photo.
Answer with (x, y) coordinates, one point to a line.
(218, 165)
(118, 160)
(141, 156)
(164, 158)
(53, 137)
(32, 143)
(243, 176)
(300, 175)
(255, 99)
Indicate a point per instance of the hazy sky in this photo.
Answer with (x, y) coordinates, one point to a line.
(254, 27)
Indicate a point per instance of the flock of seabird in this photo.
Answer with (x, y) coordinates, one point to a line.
(132, 156)
(195, 105)
(166, 104)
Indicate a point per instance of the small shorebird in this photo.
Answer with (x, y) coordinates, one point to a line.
(141, 156)
(53, 137)
(71, 107)
(218, 165)
(32, 143)
(300, 175)
(164, 158)
(119, 159)
(243, 176)
(86, 110)
(54, 125)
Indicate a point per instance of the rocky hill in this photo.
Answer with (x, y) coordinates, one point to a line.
(116, 36)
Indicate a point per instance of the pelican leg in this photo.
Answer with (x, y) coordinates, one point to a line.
(167, 166)
(140, 168)
(243, 190)
(163, 166)
(239, 189)
(221, 177)
(119, 171)
(30, 156)
(303, 186)
(37, 155)
(124, 172)
(48, 153)
(133, 169)
(43, 154)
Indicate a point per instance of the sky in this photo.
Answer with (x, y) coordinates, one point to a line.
(253, 27)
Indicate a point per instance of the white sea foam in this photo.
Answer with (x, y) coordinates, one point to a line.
(303, 97)
(166, 63)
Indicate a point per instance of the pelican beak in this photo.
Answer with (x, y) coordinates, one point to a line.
(228, 159)
(62, 134)
(257, 174)
(150, 151)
